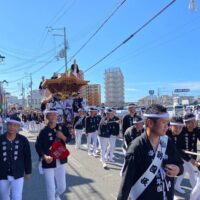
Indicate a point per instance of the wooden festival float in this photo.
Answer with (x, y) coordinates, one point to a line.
(64, 87)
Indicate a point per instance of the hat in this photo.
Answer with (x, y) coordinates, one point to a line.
(137, 119)
(176, 121)
(14, 119)
(51, 110)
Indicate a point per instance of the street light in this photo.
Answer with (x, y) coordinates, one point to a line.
(2, 58)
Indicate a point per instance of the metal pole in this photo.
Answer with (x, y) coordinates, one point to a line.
(31, 91)
(23, 97)
(1, 99)
(65, 49)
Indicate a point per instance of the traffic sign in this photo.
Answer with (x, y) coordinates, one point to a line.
(151, 92)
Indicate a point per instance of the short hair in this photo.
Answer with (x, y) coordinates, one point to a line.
(136, 119)
(73, 67)
(155, 109)
(188, 116)
(176, 119)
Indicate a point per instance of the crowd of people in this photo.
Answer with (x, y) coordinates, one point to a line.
(158, 150)
(153, 171)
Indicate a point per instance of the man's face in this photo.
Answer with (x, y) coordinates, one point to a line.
(159, 126)
(80, 113)
(176, 129)
(131, 110)
(139, 126)
(92, 113)
(52, 117)
(13, 128)
(109, 115)
(102, 110)
(191, 124)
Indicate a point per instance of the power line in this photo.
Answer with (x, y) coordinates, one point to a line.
(132, 35)
(26, 67)
(45, 32)
(67, 9)
(31, 60)
(155, 43)
(12, 54)
(92, 36)
(43, 66)
(53, 21)
(58, 13)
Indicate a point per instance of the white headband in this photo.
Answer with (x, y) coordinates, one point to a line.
(109, 111)
(135, 122)
(189, 119)
(50, 111)
(13, 121)
(176, 124)
(131, 106)
(163, 115)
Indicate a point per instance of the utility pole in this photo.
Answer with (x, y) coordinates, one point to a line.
(65, 49)
(23, 95)
(31, 92)
(63, 53)
(158, 92)
(2, 95)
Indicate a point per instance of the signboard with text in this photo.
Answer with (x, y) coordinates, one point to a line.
(181, 90)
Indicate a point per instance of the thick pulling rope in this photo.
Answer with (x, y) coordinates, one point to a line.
(192, 153)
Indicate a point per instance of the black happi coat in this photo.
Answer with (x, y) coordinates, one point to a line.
(15, 157)
(108, 127)
(174, 138)
(104, 130)
(77, 103)
(78, 122)
(24, 117)
(127, 122)
(130, 134)
(188, 141)
(138, 158)
(114, 126)
(45, 140)
(171, 136)
(98, 119)
(92, 123)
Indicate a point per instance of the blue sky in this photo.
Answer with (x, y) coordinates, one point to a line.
(164, 55)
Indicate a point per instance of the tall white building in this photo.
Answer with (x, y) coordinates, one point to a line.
(114, 87)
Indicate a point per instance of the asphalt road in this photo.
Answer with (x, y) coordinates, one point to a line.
(86, 178)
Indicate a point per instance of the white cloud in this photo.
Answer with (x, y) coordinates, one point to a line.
(131, 89)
